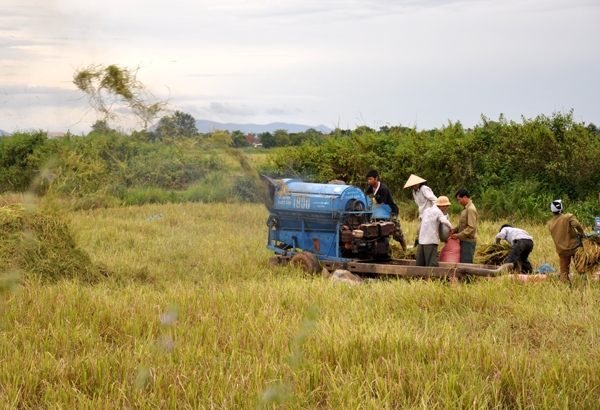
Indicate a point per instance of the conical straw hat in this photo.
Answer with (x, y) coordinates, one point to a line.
(413, 180)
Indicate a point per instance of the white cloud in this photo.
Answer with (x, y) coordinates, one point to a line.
(371, 61)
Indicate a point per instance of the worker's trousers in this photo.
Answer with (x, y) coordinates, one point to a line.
(520, 253)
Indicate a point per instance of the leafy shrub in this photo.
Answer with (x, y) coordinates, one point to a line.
(18, 164)
(110, 163)
(512, 170)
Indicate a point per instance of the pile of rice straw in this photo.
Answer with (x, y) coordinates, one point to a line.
(38, 242)
(492, 254)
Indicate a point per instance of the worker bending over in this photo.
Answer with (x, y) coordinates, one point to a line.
(522, 245)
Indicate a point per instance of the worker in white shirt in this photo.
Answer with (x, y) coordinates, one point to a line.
(423, 196)
(522, 245)
(428, 235)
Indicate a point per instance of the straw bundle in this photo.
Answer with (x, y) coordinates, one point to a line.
(38, 242)
(492, 254)
(587, 257)
(398, 253)
(283, 188)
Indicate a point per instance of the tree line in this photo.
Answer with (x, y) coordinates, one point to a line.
(513, 169)
(183, 125)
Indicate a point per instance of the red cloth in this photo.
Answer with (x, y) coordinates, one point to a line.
(450, 251)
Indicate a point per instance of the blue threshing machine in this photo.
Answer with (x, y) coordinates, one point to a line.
(337, 226)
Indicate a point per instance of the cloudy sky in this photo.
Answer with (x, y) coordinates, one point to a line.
(333, 62)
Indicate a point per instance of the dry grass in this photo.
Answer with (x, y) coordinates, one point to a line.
(254, 157)
(192, 316)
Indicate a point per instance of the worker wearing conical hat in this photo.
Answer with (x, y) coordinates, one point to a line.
(423, 196)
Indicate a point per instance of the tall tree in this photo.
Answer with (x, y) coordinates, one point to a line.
(101, 127)
(309, 135)
(267, 140)
(177, 125)
(282, 139)
(239, 139)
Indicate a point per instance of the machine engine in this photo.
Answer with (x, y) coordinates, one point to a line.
(370, 240)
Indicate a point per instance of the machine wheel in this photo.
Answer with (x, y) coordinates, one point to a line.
(307, 261)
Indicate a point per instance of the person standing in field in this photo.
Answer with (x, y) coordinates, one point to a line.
(522, 245)
(428, 235)
(423, 196)
(466, 232)
(382, 195)
(566, 232)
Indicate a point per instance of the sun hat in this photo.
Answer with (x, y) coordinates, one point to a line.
(442, 201)
(413, 180)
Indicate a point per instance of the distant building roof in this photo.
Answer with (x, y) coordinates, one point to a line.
(252, 139)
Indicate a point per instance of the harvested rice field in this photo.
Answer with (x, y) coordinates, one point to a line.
(176, 306)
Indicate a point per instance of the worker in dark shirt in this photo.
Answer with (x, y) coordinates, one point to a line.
(381, 194)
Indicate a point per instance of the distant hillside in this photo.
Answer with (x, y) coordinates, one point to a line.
(3, 133)
(208, 126)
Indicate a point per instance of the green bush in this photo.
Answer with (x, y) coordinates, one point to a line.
(109, 163)
(512, 170)
(18, 163)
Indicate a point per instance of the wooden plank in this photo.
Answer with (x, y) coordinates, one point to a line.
(407, 268)
(402, 270)
(463, 268)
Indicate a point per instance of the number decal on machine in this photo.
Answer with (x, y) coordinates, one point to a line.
(301, 202)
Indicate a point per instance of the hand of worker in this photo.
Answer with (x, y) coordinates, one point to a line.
(454, 236)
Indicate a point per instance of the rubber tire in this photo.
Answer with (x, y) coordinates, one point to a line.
(306, 261)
